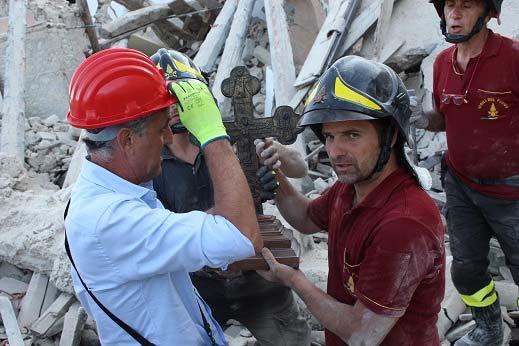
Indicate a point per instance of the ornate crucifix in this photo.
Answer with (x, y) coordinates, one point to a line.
(241, 87)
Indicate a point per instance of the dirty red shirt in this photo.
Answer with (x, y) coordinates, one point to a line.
(388, 252)
(482, 134)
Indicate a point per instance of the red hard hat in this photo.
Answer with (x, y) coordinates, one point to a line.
(115, 86)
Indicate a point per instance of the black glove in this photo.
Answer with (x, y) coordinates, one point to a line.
(268, 183)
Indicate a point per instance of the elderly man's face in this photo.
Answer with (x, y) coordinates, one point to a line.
(148, 146)
(462, 15)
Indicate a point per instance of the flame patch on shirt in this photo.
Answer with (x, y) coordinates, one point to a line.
(493, 108)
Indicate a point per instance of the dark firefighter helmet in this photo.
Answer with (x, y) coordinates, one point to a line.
(355, 88)
(177, 65)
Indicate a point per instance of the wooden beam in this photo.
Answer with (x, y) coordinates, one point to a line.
(133, 20)
(164, 29)
(299, 97)
(90, 29)
(213, 43)
(281, 55)
(269, 91)
(232, 52)
(12, 140)
(386, 9)
(336, 44)
(133, 5)
(101, 15)
(141, 18)
(9, 321)
(360, 25)
(334, 25)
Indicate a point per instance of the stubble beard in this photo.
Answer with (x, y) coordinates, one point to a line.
(357, 172)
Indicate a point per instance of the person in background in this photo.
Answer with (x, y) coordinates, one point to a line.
(476, 102)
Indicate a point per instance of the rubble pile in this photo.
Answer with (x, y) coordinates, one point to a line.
(49, 147)
(54, 47)
(35, 312)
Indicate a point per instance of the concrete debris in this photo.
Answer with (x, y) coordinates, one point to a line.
(238, 335)
(54, 47)
(45, 317)
(12, 331)
(12, 286)
(49, 146)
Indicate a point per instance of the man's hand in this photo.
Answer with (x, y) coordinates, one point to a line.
(267, 151)
(278, 272)
(418, 117)
(273, 154)
(198, 110)
(268, 183)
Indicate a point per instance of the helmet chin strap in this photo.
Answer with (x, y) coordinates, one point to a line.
(453, 38)
(385, 152)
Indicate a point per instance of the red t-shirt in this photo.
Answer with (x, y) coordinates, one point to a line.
(388, 252)
(483, 134)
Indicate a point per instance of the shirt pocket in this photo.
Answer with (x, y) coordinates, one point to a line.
(350, 273)
(496, 104)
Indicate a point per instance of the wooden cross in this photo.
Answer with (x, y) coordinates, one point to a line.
(241, 87)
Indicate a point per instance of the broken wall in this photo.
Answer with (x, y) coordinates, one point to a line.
(414, 25)
(54, 48)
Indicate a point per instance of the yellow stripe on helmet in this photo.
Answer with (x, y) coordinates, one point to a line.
(186, 68)
(312, 93)
(343, 92)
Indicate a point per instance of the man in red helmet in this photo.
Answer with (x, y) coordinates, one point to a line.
(476, 101)
(132, 257)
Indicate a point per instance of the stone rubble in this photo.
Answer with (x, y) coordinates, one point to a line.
(49, 147)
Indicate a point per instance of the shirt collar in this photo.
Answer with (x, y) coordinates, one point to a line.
(103, 177)
(492, 45)
(380, 194)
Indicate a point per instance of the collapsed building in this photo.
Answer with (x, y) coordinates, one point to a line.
(286, 47)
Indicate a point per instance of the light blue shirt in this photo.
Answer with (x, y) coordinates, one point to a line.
(135, 257)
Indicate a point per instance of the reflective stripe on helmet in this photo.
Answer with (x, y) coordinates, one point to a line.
(343, 92)
(312, 94)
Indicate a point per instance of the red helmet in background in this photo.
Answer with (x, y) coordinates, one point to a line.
(115, 86)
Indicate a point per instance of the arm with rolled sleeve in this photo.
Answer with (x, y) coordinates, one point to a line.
(398, 256)
(144, 242)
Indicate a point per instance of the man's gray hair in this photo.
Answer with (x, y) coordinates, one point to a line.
(100, 141)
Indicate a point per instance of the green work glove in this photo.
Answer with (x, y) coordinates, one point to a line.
(198, 111)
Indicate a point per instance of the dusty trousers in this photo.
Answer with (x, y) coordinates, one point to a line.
(472, 219)
(268, 310)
